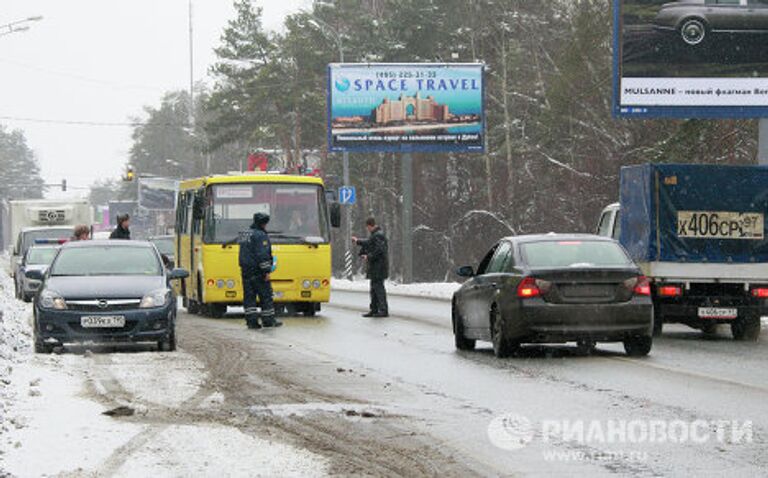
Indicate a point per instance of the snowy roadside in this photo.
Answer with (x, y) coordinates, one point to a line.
(432, 290)
(160, 420)
(15, 348)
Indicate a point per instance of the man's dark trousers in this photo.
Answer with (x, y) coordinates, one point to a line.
(379, 297)
(257, 290)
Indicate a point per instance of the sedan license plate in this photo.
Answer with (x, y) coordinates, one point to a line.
(103, 322)
(715, 313)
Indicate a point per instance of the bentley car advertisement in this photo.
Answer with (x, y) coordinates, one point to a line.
(691, 58)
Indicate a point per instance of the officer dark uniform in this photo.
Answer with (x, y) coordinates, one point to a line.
(256, 265)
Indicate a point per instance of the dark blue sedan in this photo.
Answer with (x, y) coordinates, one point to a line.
(554, 289)
(106, 291)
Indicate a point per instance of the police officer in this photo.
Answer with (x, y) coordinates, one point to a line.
(256, 266)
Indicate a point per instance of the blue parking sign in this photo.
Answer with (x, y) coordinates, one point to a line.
(348, 195)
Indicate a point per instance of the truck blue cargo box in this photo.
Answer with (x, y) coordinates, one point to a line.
(694, 213)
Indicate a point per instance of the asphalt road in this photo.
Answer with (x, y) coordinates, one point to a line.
(393, 397)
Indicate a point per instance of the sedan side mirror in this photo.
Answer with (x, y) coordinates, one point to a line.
(177, 274)
(335, 215)
(34, 274)
(466, 271)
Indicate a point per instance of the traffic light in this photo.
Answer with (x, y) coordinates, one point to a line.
(64, 185)
(130, 175)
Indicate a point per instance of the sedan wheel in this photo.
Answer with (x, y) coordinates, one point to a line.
(501, 345)
(638, 346)
(693, 32)
(461, 342)
(41, 347)
(168, 345)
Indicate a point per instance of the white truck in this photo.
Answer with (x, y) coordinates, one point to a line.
(699, 234)
(29, 220)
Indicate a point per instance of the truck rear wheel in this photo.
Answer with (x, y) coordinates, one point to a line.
(710, 328)
(746, 329)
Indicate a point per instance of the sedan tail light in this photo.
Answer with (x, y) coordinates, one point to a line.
(760, 292)
(528, 288)
(670, 291)
(642, 286)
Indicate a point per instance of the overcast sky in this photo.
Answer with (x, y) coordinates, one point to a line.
(102, 61)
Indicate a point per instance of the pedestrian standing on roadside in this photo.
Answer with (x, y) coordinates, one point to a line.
(375, 251)
(81, 233)
(122, 231)
(256, 266)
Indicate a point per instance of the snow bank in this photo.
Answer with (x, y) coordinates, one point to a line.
(15, 342)
(436, 290)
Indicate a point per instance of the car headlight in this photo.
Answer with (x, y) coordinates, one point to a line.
(156, 298)
(220, 283)
(230, 284)
(52, 300)
(316, 284)
(307, 284)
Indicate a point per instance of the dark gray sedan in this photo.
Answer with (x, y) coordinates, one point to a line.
(554, 289)
(693, 20)
(106, 291)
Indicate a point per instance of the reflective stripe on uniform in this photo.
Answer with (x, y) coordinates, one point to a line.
(268, 313)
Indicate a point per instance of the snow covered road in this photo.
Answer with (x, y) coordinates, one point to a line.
(343, 395)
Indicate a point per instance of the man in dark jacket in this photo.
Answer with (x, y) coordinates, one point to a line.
(122, 230)
(256, 266)
(375, 251)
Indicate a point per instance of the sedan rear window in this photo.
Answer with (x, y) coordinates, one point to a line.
(41, 255)
(107, 261)
(559, 254)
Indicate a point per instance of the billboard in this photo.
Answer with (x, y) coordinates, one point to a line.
(691, 58)
(157, 194)
(388, 107)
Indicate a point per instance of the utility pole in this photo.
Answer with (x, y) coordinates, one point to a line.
(191, 67)
(762, 143)
(407, 178)
(347, 209)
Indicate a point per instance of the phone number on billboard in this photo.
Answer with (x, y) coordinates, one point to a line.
(408, 74)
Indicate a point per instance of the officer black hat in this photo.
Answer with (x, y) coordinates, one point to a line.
(261, 219)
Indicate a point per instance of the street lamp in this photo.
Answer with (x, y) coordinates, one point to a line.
(18, 25)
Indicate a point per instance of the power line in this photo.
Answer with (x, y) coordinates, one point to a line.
(81, 78)
(127, 124)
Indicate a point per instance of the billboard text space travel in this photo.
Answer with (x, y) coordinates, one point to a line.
(411, 107)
